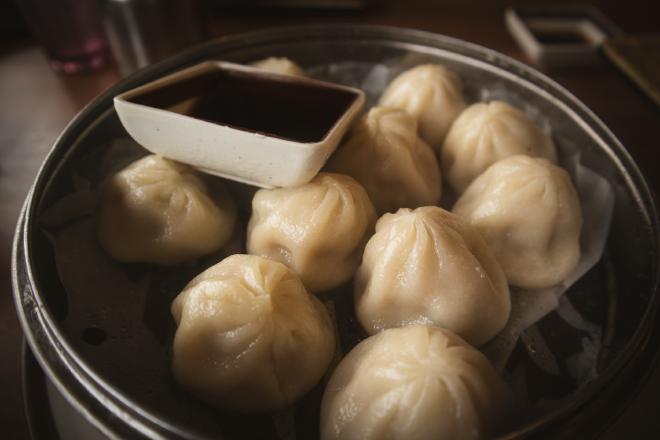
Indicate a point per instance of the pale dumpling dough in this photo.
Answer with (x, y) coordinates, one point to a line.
(250, 338)
(281, 65)
(159, 211)
(432, 94)
(485, 133)
(529, 213)
(318, 229)
(384, 153)
(413, 383)
(429, 266)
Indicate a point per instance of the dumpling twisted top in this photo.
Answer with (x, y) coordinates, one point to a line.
(159, 211)
(413, 383)
(250, 338)
(432, 94)
(485, 133)
(529, 213)
(318, 229)
(428, 266)
(384, 153)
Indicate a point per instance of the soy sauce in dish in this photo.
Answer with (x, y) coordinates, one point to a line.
(273, 105)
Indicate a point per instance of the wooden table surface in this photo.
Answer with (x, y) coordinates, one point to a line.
(36, 104)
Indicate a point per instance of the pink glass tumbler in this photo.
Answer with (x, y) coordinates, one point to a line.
(70, 32)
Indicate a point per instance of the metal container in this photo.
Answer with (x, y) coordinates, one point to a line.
(122, 384)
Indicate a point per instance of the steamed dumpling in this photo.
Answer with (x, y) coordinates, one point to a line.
(529, 213)
(432, 94)
(413, 383)
(250, 338)
(485, 133)
(283, 66)
(318, 229)
(384, 154)
(429, 266)
(159, 211)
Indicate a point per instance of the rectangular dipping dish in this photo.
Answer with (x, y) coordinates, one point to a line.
(241, 122)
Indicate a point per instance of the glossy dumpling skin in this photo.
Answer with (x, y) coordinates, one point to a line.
(318, 229)
(432, 94)
(485, 133)
(281, 65)
(413, 383)
(384, 153)
(429, 266)
(529, 213)
(160, 211)
(249, 337)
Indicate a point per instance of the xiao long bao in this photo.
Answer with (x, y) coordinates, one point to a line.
(412, 383)
(395, 166)
(432, 94)
(485, 133)
(250, 338)
(429, 266)
(283, 66)
(160, 211)
(318, 229)
(529, 213)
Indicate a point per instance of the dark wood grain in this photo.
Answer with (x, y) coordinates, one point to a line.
(35, 106)
(36, 103)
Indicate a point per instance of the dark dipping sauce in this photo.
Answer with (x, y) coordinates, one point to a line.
(559, 37)
(282, 107)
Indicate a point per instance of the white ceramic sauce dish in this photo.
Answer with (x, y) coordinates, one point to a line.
(241, 122)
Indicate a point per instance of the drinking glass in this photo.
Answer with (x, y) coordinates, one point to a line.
(70, 32)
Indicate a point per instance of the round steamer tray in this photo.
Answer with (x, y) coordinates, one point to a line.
(115, 371)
